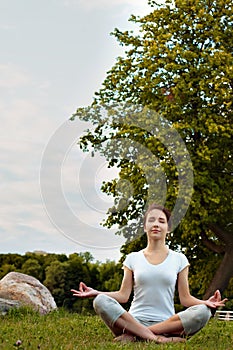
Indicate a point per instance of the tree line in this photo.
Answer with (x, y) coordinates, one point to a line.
(60, 273)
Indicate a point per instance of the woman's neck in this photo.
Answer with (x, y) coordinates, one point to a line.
(155, 246)
(155, 254)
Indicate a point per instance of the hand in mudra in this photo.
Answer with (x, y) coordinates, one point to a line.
(216, 300)
(84, 291)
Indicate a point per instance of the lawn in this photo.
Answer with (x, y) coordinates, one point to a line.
(60, 330)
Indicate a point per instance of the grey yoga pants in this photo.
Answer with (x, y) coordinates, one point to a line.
(193, 319)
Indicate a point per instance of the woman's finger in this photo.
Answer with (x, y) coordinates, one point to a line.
(74, 291)
(82, 286)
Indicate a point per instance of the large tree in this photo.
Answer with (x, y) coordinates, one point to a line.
(178, 64)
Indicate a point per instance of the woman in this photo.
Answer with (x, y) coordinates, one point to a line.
(153, 274)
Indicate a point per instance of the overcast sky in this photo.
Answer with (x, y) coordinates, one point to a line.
(54, 55)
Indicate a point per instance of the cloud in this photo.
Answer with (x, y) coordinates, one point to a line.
(12, 76)
(70, 184)
(6, 26)
(137, 5)
(23, 215)
(40, 86)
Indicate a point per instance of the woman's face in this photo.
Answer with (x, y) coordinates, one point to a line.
(156, 225)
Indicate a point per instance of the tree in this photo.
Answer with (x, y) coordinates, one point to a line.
(179, 65)
(76, 271)
(33, 268)
(110, 276)
(55, 280)
(5, 269)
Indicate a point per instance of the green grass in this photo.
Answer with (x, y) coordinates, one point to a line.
(61, 330)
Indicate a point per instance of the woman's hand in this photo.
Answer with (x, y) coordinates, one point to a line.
(84, 291)
(215, 301)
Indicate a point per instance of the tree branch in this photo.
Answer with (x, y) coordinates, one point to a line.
(220, 249)
(221, 234)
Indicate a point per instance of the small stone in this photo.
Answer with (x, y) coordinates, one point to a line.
(18, 343)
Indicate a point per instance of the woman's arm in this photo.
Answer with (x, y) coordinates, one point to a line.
(187, 299)
(122, 295)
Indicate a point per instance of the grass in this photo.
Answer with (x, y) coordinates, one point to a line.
(25, 329)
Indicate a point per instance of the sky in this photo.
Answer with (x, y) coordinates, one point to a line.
(54, 55)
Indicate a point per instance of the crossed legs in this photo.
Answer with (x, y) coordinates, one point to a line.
(172, 325)
(129, 328)
(122, 324)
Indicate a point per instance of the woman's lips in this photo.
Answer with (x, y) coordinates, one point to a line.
(155, 231)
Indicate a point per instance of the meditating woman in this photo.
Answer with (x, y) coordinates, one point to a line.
(153, 273)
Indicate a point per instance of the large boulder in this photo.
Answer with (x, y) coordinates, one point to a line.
(26, 290)
(6, 304)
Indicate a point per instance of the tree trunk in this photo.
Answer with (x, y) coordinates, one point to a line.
(222, 275)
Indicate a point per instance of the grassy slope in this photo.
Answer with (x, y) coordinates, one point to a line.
(63, 331)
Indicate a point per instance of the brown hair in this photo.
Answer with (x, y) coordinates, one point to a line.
(163, 209)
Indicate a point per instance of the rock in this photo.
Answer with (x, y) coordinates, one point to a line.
(26, 290)
(6, 304)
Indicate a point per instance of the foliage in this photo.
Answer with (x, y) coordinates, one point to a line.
(62, 273)
(110, 276)
(178, 65)
(55, 280)
(33, 268)
(60, 330)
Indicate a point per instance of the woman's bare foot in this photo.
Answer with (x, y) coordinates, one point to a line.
(125, 338)
(160, 339)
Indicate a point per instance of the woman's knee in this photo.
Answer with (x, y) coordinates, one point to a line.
(108, 309)
(195, 318)
(201, 317)
(99, 302)
(204, 314)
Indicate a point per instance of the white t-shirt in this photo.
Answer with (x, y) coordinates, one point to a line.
(154, 285)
